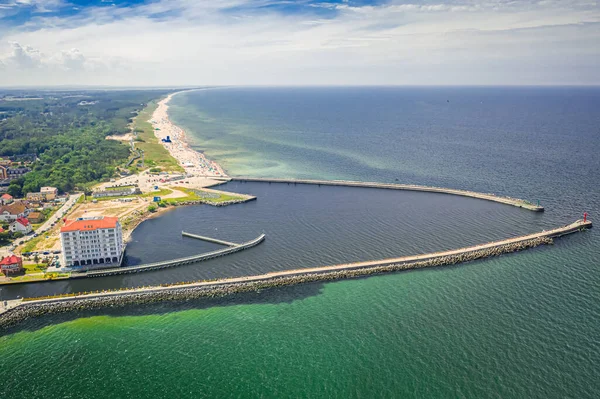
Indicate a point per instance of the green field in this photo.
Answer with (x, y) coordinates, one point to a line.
(118, 188)
(197, 195)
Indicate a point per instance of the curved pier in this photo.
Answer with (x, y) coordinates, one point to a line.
(408, 187)
(208, 239)
(19, 310)
(172, 262)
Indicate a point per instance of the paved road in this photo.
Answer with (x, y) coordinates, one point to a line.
(47, 225)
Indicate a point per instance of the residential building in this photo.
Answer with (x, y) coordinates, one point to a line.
(11, 212)
(95, 241)
(8, 174)
(34, 197)
(36, 217)
(6, 199)
(11, 265)
(49, 193)
(15, 173)
(45, 194)
(21, 225)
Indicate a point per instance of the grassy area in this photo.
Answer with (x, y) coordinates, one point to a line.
(196, 195)
(154, 152)
(39, 277)
(31, 244)
(161, 192)
(33, 268)
(118, 188)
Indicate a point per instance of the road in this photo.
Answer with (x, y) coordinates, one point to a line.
(47, 225)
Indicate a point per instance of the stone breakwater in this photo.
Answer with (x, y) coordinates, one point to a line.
(408, 187)
(206, 289)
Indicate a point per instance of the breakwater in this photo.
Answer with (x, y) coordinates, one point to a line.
(173, 262)
(192, 290)
(407, 187)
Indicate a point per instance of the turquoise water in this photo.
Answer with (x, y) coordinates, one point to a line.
(522, 325)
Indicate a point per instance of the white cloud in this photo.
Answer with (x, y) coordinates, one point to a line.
(23, 57)
(201, 42)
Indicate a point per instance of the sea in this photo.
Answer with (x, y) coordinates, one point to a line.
(522, 325)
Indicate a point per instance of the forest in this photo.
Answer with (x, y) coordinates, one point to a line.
(67, 131)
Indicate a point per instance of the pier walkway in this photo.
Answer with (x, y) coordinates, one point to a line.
(172, 262)
(208, 239)
(408, 187)
(324, 270)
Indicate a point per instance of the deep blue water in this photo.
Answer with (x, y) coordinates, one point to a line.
(520, 325)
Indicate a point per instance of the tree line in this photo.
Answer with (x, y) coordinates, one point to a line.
(68, 136)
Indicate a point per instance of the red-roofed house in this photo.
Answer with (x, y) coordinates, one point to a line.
(21, 225)
(11, 265)
(95, 241)
(6, 199)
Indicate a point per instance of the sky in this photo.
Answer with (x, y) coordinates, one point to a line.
(301, 42)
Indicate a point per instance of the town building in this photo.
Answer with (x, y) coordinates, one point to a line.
(49, 193)
(45, 194)
(11, 212)
(13, 173)
(21, 225)
(95, 241)
(36, 217)
(11, 265)
(6, 199)
(8, 174)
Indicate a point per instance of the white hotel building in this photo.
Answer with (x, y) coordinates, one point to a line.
(95, 241)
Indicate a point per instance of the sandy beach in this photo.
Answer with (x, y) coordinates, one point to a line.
(194, 162)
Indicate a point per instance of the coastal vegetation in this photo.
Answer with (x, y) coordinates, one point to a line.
(155, 154)
(67, 135)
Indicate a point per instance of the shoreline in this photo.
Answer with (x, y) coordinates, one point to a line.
(194, 162)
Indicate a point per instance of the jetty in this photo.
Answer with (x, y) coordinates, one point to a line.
(231, 248)
(407, 187)
(17, 310)
(209, 239)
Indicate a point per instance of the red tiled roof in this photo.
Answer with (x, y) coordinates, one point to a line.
(7, 196)
(89, 225)
(23, 221)
(10, 260)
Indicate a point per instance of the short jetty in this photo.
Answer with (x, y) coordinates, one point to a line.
(173, 262)
(208, 239)
(407, 187)
(18, 310)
